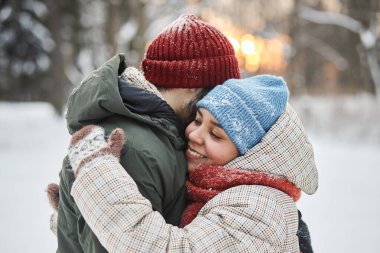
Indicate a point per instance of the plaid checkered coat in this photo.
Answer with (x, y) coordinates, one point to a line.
(246, 218)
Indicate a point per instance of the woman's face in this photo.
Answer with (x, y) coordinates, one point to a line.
(208, 143)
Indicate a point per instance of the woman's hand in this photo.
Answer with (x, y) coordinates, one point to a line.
(89, 143)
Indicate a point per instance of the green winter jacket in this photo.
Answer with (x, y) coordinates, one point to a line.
(153, 155)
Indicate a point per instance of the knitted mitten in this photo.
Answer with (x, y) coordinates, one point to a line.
(53, 196)
(88, 145)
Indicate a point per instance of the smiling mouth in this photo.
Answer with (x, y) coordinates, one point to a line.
(194, 153)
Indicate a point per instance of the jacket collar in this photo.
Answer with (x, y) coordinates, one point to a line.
(142, 102)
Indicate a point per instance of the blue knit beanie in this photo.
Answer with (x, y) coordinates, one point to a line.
(247, 108)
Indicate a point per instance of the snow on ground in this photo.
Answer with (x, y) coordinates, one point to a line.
(33, 142)
(343, 216)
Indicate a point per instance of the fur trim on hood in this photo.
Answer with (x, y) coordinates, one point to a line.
(137, 79)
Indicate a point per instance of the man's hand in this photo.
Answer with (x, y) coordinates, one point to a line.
(89, 143)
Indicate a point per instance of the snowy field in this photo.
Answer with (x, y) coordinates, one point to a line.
(343, 216)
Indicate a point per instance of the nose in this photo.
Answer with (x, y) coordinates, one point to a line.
(196, 136)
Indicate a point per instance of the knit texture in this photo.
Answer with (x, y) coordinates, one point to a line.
(54, 222)
(53, 196)
(247, 108)
(190, 53)
(207, 181)
(89, 144)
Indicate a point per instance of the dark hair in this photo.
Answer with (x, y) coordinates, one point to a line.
(192, 108)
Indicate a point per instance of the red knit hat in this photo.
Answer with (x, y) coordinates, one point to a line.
(190, 53)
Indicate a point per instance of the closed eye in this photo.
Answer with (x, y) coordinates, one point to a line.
(215, 136)
(197, 122)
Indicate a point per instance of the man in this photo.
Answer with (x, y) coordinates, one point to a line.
(187, 58)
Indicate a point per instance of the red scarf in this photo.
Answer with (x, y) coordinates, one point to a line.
(207, 181)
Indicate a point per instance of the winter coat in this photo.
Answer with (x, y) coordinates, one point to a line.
(207, 181)
(245, 218)
(154, 155)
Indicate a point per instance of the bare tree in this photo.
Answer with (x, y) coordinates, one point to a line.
(366, 30)
(61, 19)
(26, 44)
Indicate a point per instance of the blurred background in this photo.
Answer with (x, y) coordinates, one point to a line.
(323, 47)
(327, 50)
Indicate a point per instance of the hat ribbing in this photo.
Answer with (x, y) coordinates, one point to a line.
(190, 53)
(247, 108)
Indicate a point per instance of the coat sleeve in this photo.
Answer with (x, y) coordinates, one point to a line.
(241, 219)
(159, 178)
(68, 239)
(73, 233)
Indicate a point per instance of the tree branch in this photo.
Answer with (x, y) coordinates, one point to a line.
(330, 18)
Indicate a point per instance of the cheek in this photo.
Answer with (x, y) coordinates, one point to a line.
(216, 153)
(220, 154)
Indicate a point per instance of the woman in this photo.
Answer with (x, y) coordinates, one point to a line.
(248, 204)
